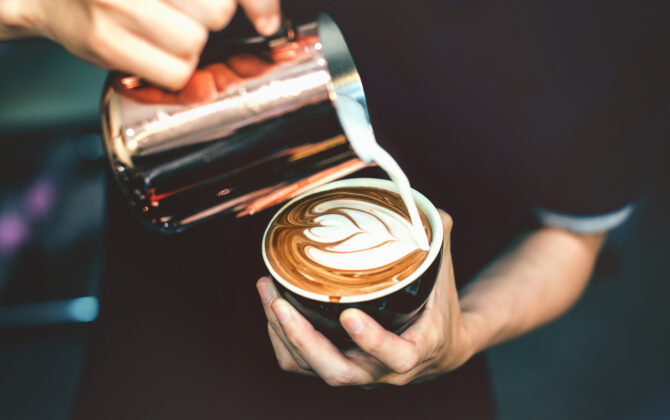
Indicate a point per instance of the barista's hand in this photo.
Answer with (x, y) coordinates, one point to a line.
(439, 341)
(210, 81)
(159, 40)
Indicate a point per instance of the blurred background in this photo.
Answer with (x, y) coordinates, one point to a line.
(606, 359)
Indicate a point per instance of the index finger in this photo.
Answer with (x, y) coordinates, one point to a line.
(324, 358)
(397, 353)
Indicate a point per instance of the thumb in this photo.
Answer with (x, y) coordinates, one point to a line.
(447, 224)
(445, 287)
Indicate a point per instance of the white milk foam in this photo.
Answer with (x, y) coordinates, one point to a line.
(356, 124)
(374, 236)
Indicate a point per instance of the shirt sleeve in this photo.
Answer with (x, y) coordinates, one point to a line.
(584, 224)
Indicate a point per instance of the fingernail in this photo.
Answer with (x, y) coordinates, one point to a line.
(282, 311)
(268, 25)
(267, 293)
(352, 324)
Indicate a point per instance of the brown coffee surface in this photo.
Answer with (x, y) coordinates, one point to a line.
(345, 242)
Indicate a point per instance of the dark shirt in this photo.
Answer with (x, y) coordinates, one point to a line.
(493, 109)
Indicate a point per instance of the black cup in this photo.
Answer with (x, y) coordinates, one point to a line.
(396, 307)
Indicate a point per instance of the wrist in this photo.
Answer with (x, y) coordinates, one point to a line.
(463, 345)
(487, 326)
(20, 19)
(475, 329)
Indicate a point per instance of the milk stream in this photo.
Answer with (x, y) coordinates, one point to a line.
(356, 124)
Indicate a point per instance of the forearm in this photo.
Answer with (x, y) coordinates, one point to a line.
(531, 284)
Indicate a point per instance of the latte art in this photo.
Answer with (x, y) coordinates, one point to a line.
(358, 235)
(345, 241)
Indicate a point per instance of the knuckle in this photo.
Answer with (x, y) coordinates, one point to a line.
(196, 39)
(179, 74)
(102, 5)
(398, 380)
(287, 365)
(338, 379)
(331, 381)
(295, 338)
(221, 14)
(406, 364)
(95, 39)
(227, 7)
(216, 22)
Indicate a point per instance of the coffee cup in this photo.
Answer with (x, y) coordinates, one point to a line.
(396, 306)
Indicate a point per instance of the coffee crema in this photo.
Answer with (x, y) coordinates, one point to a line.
(344, 242)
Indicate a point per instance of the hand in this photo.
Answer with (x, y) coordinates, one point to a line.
(203, 86)
(439, 341)
(208, 82)
(158, 40)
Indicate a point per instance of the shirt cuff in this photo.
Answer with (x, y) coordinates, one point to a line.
(584, 224)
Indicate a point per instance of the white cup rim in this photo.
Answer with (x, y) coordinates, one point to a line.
(421, 201)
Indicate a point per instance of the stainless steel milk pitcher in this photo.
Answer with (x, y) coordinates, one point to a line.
(258, 123)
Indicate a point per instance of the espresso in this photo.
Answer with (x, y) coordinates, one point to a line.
(345, 242)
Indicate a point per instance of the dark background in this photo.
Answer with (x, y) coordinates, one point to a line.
(606, 359)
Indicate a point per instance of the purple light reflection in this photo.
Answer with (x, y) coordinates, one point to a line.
(39, 198)
(13, 233)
